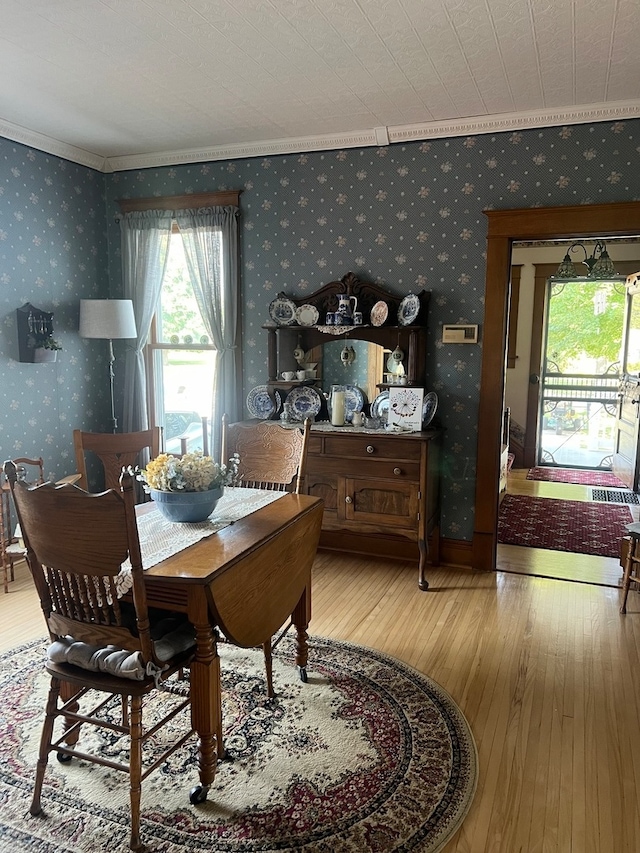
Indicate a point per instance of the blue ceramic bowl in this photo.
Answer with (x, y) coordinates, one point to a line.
(190, 507)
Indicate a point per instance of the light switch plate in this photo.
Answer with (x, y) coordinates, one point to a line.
(459, 334)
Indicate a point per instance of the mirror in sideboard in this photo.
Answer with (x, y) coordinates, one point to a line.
(366, 371)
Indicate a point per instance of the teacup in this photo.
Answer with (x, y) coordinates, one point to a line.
(289, 375)
(301, 374)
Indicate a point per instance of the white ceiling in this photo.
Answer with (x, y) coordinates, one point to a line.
(119, 84)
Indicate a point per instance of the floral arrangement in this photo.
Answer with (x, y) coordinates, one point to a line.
(193, 472)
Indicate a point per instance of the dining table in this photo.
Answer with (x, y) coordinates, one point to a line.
(245, 581)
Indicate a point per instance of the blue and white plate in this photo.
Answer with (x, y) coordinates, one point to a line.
(353, 401)
(429, 408)
(380, 407)
(304, 402)
(283, 311)
(408, 309)
(262, 404)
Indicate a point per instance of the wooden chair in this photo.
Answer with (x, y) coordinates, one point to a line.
(271, 457)
(31, 471)
(76, 543)
(631, 562)
(115, 451)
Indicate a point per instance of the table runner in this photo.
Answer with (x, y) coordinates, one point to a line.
(160, 538)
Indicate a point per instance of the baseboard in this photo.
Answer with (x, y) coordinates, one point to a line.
(453, 552)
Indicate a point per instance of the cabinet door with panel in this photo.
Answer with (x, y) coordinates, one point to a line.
(377, 488)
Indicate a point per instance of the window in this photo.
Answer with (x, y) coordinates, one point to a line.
(187, 358)
(182, 359)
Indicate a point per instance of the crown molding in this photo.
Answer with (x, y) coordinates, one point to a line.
(614, 111)
(373, 137)
(235, 151)
(49, 145)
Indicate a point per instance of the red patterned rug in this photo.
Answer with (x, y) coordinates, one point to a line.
(576, 526)
(369, 756)
(571, 475)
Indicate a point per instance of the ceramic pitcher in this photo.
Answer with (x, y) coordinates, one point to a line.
(347, 305)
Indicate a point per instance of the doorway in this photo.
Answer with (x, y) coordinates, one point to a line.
(504, 228)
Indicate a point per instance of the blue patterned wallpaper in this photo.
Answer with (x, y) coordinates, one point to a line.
(53, 252)
(407, 216)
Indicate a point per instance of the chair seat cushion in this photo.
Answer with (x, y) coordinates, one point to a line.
(172, 636)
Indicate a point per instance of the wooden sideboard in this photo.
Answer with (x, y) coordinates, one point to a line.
(380, 490)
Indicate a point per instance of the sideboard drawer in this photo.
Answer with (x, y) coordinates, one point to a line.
(366, 446)
(358, 466)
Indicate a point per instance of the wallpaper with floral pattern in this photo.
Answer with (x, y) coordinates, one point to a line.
(53, 253)
(408, 216)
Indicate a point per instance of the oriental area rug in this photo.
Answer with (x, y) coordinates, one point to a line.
(572, 475)
(576, 526)
(368, 755)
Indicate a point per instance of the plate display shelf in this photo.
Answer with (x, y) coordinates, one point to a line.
(411, 339)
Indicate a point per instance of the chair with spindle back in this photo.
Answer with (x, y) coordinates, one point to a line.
(76, 543)
(272, 457)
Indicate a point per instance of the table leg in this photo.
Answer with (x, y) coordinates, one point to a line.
(206, 698)
(301, 617)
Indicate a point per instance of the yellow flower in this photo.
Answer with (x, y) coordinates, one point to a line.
(193, 472)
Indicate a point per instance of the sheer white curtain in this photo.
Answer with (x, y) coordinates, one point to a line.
(145, 240)
(210, 239)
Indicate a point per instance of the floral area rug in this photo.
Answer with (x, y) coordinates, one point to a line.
(572, 475)
(369, 755)
(576, 526)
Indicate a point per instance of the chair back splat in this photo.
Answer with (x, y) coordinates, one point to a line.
(76, 544)
(115, 451)
(271, 456)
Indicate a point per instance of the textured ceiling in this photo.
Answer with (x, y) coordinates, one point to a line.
(133, 83)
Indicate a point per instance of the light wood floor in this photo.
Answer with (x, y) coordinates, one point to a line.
(584, 568)
(547, 673)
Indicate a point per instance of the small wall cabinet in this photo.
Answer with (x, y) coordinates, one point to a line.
(35, 335)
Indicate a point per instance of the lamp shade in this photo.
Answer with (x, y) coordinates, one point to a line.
(107, 319)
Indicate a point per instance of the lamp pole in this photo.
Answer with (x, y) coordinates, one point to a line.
(112, 358)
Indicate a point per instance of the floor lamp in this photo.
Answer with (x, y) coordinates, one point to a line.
(108, 319)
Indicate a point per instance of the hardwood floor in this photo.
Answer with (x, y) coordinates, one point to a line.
(546, 672)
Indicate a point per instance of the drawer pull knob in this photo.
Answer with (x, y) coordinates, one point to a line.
(397, 471)
(370, 448)
(348, 499)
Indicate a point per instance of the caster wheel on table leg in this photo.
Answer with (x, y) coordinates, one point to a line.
(198, 795)
(63, 758)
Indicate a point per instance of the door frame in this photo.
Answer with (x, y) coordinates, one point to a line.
(504, 228)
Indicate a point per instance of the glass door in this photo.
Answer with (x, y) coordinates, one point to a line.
(581, 373)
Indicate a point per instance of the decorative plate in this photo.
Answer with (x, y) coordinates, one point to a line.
(307, 315)
(380, 407)
(379, 313)
(304, 402)
(429, 408)
(408, 309)
(353, 402)
(282, 311)
(261, 404)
